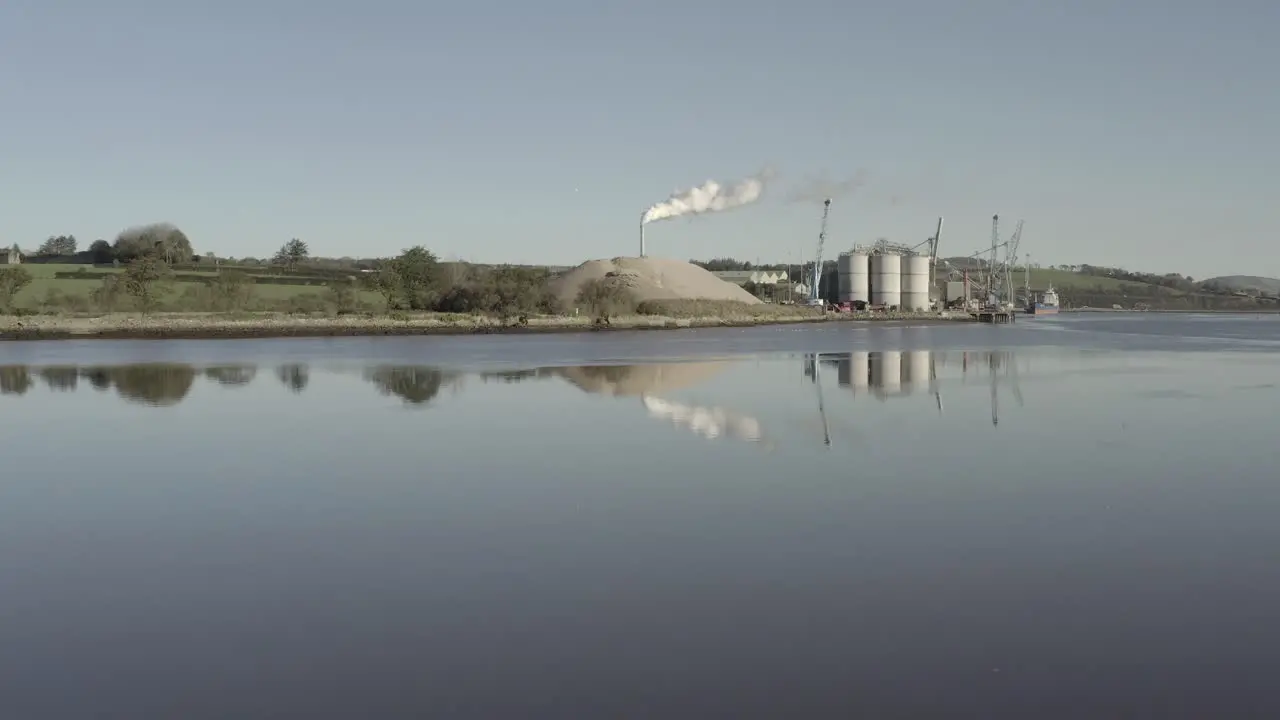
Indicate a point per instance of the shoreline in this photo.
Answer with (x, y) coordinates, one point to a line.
(1172, 311)
(196, 326)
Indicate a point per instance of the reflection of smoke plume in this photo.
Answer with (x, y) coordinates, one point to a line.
(711, 196)
(706, 422)
(822, 187)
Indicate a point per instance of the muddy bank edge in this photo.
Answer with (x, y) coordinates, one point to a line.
(187, 327)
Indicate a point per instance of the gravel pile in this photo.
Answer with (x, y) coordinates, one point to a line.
(652, 279)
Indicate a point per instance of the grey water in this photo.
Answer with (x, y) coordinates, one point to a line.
(1073, 516)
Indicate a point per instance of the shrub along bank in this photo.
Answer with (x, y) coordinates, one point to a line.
(413, 282)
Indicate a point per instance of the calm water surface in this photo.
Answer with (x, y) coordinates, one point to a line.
(1070, 517)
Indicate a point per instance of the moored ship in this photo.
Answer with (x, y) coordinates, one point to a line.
(1046, 305)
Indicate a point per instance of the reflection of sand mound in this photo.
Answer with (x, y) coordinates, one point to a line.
(652, 279)
(641, 379)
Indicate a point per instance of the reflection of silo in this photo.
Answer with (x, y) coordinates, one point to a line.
(886, 280)
(886, 372)
(853, 279)
(859, 369)
(915, 370)
(915, 282)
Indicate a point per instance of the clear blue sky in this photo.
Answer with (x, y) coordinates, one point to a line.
(1129, 132)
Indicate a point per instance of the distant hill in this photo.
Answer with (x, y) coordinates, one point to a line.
(1098, 286)
(1236, 283)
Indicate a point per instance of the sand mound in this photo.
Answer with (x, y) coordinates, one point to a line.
(652, 279)
(623, 380)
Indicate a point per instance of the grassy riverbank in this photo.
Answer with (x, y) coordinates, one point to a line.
(264, 325)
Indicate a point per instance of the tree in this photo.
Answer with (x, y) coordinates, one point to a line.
(519, 291)
(292, 254)
(12, 280)
(606, 296)
(170, 243)
(57, 246)
(108, 293)
(141, 278)
(342, 293)
(410, 281)
(101, 252)
(232, 290)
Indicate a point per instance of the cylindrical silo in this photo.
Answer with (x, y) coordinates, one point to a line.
(854, 283)
(886, 372)
(886, 280)
(915, 370)
(915, 283)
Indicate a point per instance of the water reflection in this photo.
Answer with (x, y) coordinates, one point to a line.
(416, 386)
(516, 376)
(161, 385)
(295, 377)
(707, 422)
(903, 373)
(232, 375)
(650, 381)
(883, 375)
(635, 380)
(157, 385)
(14, 380)
(152, 384)
(60, 379)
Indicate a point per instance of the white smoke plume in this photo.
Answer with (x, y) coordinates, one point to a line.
(709, 197)
(823, 187)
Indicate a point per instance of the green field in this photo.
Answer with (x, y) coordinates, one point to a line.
(1067, 280)
(43, 282)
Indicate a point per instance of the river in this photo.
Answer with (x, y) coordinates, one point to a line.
(1073, 516)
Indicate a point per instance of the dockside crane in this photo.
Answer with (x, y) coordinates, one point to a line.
(815, 288)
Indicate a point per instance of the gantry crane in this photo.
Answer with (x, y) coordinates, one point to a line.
(815, 288)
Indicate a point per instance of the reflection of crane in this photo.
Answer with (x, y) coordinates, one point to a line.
(811, 369)
(815, 292)
(996, 360)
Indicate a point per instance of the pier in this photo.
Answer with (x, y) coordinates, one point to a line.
(995, 317)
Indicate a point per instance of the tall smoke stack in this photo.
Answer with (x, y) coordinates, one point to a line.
(642, 235)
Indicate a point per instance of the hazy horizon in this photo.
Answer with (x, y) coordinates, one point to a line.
(1130, 135)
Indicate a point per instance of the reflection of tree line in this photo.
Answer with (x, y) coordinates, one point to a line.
(159, 384)
(166, 384)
